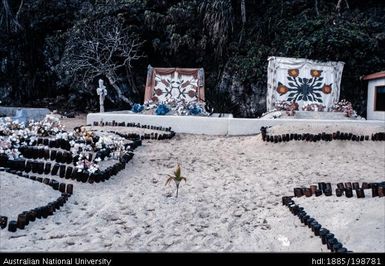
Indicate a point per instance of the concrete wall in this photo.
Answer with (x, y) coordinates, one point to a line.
(180, 124)
(244, 126)
(371, 114)
(31, 113)
(211, 125)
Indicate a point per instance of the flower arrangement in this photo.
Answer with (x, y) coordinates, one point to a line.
(6, 147)
(84, 165)
(49, 126)
(194, 108)
(162, 109)
(171, 107)
(285, 105)
(79, 147)
(8, 127)
(82, 143)
(64, 135)
(137, 108)
(109, 142)
(289, 107)
(13, 135)
(314, 107)
(344, 106)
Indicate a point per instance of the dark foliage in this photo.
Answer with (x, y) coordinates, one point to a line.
(190, 33)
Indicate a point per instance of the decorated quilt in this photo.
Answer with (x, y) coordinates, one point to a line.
(164, 84)
(303, 81)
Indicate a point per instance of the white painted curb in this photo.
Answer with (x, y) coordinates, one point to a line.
(212, 125)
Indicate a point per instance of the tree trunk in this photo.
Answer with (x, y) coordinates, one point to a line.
(338, 6)
(19, 11)
(243, 11)
(243, 16)
(131, 81)
(316, 7)
(118, 90)
(11, 21)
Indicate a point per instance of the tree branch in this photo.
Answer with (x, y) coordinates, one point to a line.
(19, 10)
(11, 21)
(100, 48)
(339, 3)
(316, 7)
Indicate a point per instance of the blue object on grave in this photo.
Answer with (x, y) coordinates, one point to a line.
(21, 116)
(162, 109)
(195, 110)
(137, 108)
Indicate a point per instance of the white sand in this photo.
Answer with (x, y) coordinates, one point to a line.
(20, 194)
(357, 223)
(324, 127)
(230, 202)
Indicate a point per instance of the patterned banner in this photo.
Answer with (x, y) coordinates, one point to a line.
(175, 83)
(303, 81)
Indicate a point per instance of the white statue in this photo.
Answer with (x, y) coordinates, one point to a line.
(102, 92)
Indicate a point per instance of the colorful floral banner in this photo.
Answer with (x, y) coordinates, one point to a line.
(303, 81)
(164, 84)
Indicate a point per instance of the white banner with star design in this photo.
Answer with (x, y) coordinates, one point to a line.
(303, 81)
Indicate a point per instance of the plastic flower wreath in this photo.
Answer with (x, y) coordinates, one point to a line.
(137, 108)
(195, 109)
(162, 109)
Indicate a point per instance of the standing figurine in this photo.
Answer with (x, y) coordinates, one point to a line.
(102, 92)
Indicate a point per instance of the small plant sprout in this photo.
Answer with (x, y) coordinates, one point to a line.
(177, 177)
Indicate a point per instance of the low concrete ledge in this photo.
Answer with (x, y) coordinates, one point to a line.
(226, 125)
(35, 114)
(244, 126)
(179, 124)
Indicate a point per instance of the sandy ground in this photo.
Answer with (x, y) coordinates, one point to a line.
(357, 223)
(230, 202)
(19, 194)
